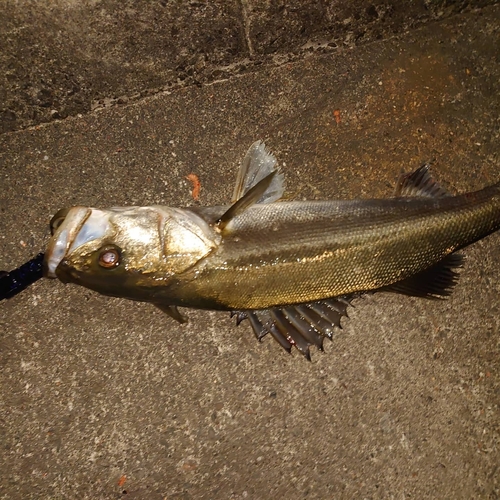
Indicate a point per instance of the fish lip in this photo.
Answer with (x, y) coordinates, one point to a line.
(63, 238)
(61, 273)
(81, 225)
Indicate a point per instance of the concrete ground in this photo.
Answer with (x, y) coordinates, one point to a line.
(103, 398)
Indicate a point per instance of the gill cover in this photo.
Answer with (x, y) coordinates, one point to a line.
(186, 238)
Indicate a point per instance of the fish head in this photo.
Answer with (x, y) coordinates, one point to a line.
(126, 251)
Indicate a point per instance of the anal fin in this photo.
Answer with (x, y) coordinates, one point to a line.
(419, 183)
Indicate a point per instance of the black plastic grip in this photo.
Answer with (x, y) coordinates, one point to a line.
(14, 282)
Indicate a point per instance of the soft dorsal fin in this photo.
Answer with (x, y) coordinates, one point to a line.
(436, 282)
(419, 183)
(257, 164)
(251, 197)
(303, 325)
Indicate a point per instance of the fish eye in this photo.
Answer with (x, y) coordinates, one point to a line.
(109, 257)
(58, 219)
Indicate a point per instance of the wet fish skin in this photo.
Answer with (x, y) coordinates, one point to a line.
(289, 253)
(272, 261)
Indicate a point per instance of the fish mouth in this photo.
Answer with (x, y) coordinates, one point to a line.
(75, 227)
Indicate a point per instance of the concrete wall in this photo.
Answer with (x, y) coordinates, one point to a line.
(65, 57)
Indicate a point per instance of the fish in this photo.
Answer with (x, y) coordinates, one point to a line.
(289, 268)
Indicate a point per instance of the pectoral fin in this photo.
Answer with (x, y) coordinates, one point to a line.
(257, 164)
(258, 181)
(250, 198)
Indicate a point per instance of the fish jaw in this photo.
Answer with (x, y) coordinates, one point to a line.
(80, 226)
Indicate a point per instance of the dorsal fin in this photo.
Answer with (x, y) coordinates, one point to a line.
(257, 164)
(300, 325)
(435, 282)
(252, 196)
(303, 325)
(419, 183)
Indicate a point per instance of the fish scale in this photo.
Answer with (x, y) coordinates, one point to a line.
(278, 254)
(290, 268)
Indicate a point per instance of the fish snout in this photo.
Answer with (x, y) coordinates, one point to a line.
(64, 226)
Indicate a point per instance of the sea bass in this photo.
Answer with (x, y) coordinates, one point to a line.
(290, 268)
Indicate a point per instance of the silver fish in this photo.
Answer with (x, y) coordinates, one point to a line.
(290, 268)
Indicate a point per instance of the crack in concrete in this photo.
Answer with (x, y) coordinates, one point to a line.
(246, 23)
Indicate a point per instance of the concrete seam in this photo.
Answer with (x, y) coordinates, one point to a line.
(246, 24)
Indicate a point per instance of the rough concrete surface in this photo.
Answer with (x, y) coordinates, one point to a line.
(103, 398)
(64, 57)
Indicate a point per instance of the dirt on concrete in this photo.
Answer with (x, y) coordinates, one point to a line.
(103, 398)
(63, 58)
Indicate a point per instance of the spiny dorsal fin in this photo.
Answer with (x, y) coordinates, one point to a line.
(436, 282)
(300, 325)
(419, 183)
(257, 164)
(251, 197)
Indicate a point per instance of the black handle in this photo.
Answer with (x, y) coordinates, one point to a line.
(14, 282)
